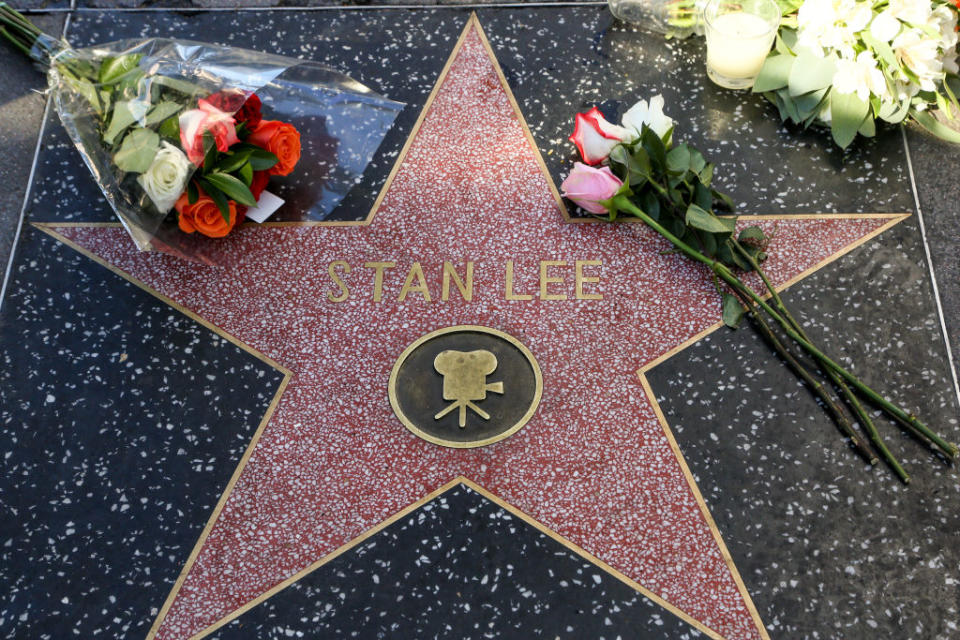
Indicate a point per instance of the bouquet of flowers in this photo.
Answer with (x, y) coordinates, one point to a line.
(175, 135)
(848, 63)
(667, 186)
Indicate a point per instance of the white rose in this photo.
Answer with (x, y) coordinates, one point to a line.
(651, 115)
(165, 179)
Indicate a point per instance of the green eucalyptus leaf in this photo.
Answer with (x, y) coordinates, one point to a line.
(170, 129)
(698, 218)
(113, 69)
(934, 126)
(847, 113)
(161, 112)
(809, 104)
(774, 74)
(810, 72)
(881, 48)
(232, 187)
(122, 118)
(137, 151)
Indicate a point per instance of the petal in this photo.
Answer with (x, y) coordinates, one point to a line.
(593, 145)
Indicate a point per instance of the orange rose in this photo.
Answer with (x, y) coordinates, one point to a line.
(204, 216)
(280, 139)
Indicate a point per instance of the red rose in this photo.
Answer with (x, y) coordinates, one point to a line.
(280, 139)
(250, 112)
(229, 100)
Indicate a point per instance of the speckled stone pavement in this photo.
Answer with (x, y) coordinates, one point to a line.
(124, 419)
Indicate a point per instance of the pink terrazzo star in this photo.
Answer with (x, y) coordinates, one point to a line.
(594, 464)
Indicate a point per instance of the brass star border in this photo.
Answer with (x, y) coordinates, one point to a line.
(472, 23)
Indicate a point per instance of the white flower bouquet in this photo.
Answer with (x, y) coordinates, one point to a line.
(849, 63)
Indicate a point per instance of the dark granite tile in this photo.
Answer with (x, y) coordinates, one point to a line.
(459, 567)
(935, 169)
(122, 420)
(827, 546)
(41, 5)
(21, 112)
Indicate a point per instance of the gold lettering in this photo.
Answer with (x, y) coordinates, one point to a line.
(510, 294)
(546, 279)
(344, 291)
(378, 277)
(580, 279)
(465, 290)
(415, 270)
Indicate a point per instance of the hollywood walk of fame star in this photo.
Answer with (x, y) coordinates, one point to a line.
(596, 465)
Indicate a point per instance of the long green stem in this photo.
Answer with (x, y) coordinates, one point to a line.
(623, 202)
(815, 385)
(848, 395)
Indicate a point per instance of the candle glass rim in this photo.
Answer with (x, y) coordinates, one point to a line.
(772, 22)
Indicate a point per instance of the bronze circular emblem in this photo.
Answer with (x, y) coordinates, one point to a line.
(465, 386)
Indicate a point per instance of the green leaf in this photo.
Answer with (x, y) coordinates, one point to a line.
(847, 112)
(113, 69)
(246, 174)
(170, 128)
(774, 74)
(706, 174)
(698, 218)
(702, 197)
(193, 194)
(188, 89)
(697, 161)
(656, 150)
(82, 86)
(219, 199)
(137, 151)
(161, 112)
(232, 187)
(650, 204)
(934, 126)
(678, 159)
(261, 160)
(210, 151)
(752, 234)
(868, 128)
(881, 48)
(122, 118)
(810, 72)
(894, 112)
(809, 104)
(232, 161)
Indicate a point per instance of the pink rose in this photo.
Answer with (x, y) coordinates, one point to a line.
(588, 186)
(595, 137)
(206, 118)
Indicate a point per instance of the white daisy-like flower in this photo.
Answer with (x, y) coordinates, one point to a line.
(861, 76)
(920, 54)
(832, 25)
(915, 12)
(885, 26)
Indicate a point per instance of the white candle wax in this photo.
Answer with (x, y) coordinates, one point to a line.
(737, 44)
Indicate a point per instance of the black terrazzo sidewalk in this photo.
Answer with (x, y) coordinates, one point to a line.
(826, 548)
